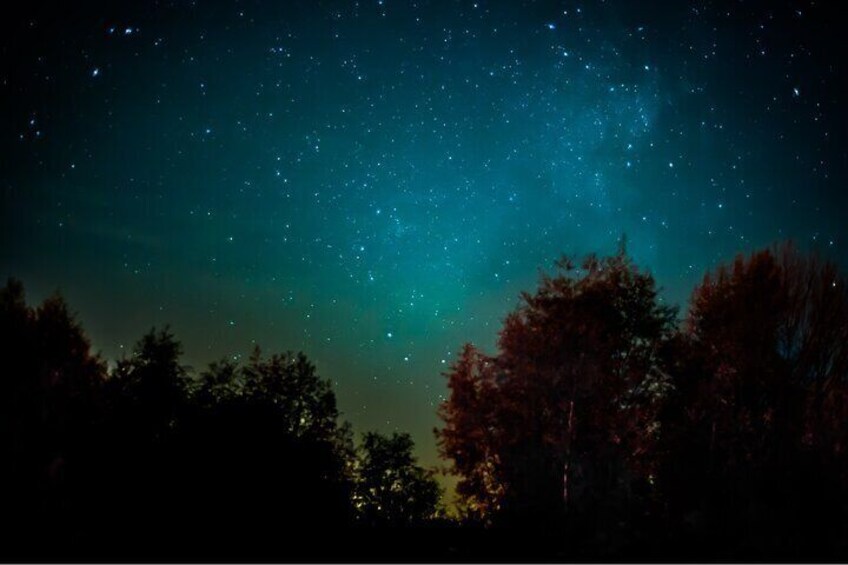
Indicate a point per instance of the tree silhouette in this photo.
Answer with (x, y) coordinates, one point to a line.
(758, 420)
(305, 403)
(470, 433)
(557, 420)
(263, 440)
(391, 489)
(598, 424)
(152, 382)
(169, 459)
(49, 403)
(151, 462)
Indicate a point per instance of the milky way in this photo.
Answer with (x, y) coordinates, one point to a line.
(375, 182)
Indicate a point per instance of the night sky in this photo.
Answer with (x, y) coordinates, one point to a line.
(374, 182)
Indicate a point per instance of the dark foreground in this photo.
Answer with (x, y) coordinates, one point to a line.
(437, 543)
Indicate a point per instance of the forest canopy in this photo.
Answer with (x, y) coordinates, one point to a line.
(603, 419)
(604, 426)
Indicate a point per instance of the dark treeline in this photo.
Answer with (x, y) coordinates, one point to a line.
(604, 428)
(151, 462)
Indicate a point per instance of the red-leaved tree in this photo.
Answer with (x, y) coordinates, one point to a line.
(564, 416)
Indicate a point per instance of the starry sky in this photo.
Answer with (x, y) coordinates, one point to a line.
(374, 182)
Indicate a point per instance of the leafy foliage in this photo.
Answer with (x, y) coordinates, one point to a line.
(49, 402)
(391, 488)
(247, 458)
(598, 413)
(560, 417)
(759, 417)
(600, 428)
